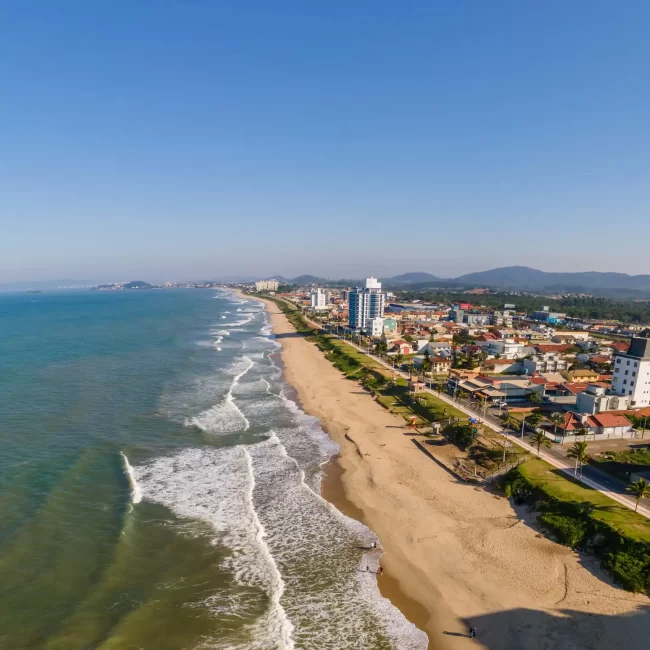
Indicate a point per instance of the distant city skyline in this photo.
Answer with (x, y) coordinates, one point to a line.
(184, 141)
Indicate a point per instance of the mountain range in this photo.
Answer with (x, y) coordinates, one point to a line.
(524, 278)
(517, 278)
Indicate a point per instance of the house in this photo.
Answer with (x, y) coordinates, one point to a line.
(507, 349)
(501, 366)
(439, 365)
(582, 375)
(420, 344)
(390, 327)
(401, 347)
(572, 388)
(604, 425)
(551, 348)
(544, 363)
(599, 360)
(437, 348)
(596, 399)
(550, 387)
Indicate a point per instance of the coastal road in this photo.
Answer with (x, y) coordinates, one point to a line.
(591, 477)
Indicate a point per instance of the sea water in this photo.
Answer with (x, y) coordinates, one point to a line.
(160, 490)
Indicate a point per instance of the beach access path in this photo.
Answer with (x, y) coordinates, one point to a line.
(455, 555)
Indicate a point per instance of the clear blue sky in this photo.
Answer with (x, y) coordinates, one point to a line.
(164, 140)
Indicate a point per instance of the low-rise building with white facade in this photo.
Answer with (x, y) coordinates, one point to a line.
(596, 399)
(544, 363)
(375, 327)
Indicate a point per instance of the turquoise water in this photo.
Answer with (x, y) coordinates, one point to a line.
(159, 489)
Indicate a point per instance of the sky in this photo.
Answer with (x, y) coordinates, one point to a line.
(164, 140)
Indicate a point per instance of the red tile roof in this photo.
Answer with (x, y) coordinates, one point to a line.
(574, 387)
(499, 362)
(552, 347)
(599, 359)
(611, 420)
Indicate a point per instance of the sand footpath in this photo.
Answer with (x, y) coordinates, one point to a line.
(455, 554)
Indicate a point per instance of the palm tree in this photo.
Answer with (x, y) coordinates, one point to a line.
(579, 452)
(557, 419)
(582, 431)
(511, 422)
(534, 397)
(412, 370)
(539, 439)
(640, 489)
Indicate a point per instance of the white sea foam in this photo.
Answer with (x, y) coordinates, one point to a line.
(226, 416)
(136, 492)
(217, 485)
(278, 583)
(315, 548)
(239, 323)
(264, 503)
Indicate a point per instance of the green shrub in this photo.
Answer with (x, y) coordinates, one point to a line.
(629, 569)
(462, 435)
(570, 531)
(517, 487)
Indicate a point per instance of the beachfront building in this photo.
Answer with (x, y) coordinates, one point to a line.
(631, 374)
(318, 299)
(365, 304)
(267, 285)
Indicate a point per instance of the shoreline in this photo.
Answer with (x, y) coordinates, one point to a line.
(453, 555)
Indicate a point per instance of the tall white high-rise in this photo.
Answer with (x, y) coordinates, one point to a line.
(319, 299)
(366, 304)
(632, 373)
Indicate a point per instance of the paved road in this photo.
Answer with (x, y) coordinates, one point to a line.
(591, 477)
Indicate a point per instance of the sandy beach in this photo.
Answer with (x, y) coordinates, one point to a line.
(455, 554)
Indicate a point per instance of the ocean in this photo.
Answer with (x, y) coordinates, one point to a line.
(160, 486)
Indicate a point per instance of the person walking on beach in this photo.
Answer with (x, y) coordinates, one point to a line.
(472, 632)
(380, 570)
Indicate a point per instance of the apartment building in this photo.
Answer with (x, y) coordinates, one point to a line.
(631, 375)
(365, 304)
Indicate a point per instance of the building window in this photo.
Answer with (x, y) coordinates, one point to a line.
(635, 364)
(625, 381)
(628, 362)
(627, 372)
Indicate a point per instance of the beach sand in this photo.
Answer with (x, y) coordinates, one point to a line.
(455, 554)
